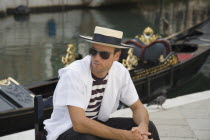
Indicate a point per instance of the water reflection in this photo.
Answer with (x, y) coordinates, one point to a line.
(31, 49)
(51, 26)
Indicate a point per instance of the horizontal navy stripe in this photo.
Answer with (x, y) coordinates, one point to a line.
(95, 111)
(97, 98)
(98, 91)
(103, 82)
(93, 117)
(93, 106)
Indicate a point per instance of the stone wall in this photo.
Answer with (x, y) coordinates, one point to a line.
(11, 4)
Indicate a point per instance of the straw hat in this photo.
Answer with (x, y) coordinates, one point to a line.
(107, 37)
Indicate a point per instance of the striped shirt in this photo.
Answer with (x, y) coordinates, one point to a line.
(98, 88)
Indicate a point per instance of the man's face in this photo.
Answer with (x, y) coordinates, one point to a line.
(100, 66)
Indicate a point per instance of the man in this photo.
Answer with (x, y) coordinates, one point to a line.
(89, 90)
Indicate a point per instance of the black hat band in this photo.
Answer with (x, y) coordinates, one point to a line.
(106, 39)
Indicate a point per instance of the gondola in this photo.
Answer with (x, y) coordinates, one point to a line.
(181, 60)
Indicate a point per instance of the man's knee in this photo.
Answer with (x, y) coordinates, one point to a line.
(151, 124)
(153, 130)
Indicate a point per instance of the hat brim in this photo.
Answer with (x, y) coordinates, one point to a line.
(90, 39)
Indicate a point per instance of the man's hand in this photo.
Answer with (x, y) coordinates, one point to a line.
(142, 129)
(129, 135)
(135, 135)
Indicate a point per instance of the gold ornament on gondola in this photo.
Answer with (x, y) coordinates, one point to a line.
(70, 55)
(7, 82)
(161, 59)
(131, 61)
(148, 36)
(172, 60)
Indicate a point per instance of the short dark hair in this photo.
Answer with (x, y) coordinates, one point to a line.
(116, 50)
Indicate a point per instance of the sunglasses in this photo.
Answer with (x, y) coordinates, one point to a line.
(103, 54)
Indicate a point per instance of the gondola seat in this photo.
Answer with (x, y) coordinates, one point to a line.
(151, 53)
(42, 111)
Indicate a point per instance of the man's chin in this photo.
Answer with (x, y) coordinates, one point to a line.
(97, 70)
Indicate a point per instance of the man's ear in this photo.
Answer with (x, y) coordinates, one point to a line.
(117, 55)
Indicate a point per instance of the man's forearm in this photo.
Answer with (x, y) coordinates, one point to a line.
(140, 114)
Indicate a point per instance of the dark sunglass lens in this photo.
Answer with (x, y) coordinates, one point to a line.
(104, 55)
(92, 52)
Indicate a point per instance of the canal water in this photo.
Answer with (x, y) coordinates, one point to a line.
(31, 47)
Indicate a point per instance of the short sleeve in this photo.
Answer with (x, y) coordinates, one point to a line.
(128, 91)
(69, 90)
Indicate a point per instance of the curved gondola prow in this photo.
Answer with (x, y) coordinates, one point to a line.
(190, 32)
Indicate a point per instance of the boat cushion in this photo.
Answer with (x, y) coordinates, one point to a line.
(152, 52)
(14, 96)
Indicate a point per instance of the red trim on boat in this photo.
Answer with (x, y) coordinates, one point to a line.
(184, 56)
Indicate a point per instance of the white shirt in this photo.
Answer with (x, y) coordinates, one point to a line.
(74, 88)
